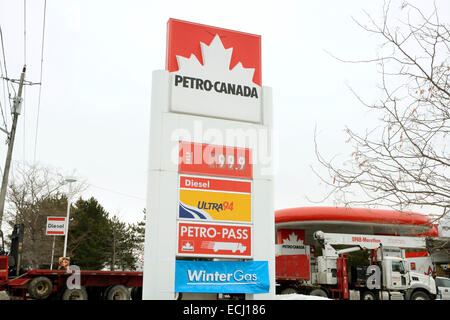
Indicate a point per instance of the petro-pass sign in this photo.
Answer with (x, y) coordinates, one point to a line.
(216, 67)
(222, 276)
(214, 240)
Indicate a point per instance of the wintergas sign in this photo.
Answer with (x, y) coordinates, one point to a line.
(222, 276)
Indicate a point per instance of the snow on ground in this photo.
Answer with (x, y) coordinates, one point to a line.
(295, 296)
(4, 295)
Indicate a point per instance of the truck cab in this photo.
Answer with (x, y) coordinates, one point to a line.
(395, 275)
(413, 286)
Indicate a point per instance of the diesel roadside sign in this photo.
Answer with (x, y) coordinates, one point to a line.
(56, 226)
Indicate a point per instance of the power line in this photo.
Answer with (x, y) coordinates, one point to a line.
(3, 116)
(3, 51)
(4, 97)
(6, 71)
(24, 63)
(40, 80)
(24, 32)
(120, 193)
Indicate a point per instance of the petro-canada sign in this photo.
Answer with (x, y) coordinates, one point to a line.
(212, 72)
(216, 201)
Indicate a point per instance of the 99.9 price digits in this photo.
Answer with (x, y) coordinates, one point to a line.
(228, 161)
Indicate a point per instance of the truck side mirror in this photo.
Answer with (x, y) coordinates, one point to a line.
(406, 266)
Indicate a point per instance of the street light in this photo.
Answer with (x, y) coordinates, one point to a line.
(68, 180)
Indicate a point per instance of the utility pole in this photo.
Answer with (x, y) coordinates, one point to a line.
(17, 106)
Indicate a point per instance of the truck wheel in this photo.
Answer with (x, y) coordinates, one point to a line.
(74, 294)
(178, 296)
(420, 295)
(118, 292)
(136, 293)
(367, 295)
(40, 288)
(318, 293)
(289, 290)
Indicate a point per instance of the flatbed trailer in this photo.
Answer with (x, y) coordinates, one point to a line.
(71, 284)
(68, 283)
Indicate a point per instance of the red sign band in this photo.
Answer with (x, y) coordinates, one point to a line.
(188, 182)
(55, 232)
(214, 160)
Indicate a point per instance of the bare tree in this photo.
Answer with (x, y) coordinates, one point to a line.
(404, 162)
(36, 192)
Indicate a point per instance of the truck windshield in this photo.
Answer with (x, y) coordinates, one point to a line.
(397, 266)
(442, 282)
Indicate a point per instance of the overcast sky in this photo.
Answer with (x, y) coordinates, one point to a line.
(99, 56)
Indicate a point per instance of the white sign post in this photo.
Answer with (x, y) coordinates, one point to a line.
(56, 226)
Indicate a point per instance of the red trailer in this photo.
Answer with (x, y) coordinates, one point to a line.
(71, 284)
(62, 284)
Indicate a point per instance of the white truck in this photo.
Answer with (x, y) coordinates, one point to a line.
(386, 278)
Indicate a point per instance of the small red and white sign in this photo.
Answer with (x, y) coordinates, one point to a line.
(284, 235)
(215, 160)
(56, 226)
(214, 240)
(291, 242)
(292, 255)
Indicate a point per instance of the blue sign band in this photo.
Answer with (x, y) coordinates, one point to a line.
(222, 276)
